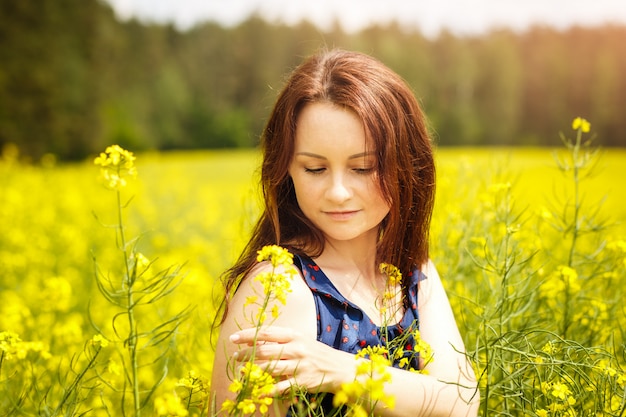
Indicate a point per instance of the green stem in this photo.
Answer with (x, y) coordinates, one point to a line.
(485, 402)
(575, 225)
(76, 381)
(575, 220)
(189, 398)
(132, 332)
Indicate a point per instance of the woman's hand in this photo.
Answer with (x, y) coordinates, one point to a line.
(293, 359)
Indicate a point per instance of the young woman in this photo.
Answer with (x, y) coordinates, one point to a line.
(348, 181)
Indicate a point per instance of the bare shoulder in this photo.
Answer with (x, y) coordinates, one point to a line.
(289, 296)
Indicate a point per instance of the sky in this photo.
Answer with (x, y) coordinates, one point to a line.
(428, 16)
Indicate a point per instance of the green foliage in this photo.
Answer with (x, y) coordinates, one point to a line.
(73, 79)
(501, 241)
(538, 291)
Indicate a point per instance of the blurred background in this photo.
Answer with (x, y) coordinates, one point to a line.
(78, 75)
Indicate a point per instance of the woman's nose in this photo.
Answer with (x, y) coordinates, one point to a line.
(339, 191)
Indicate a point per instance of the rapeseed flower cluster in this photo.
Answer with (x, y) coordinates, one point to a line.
(368, 387)
(559, 398)
(276, 285)
(9, 345)
(117, 165)
(421, 348)
(99, 341)
(196, 389)
(581, 124)
(170, 405)
(254, 388)
(400, 350)
(12, 347)
(389, 305)
(276, 255)
(253, 385)
(562, 282)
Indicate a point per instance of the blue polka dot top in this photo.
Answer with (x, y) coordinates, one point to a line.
(343, 325)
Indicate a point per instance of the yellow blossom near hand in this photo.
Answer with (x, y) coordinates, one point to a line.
(254, 389)
(192, 381)
(582, 124)
(422, 347)
(275, 311)
(358, 411)
(371, 376)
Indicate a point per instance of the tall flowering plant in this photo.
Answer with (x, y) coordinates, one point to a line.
(253, 385)
(133, 293)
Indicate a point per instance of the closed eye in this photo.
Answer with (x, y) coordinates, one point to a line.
(363, 170)
(314, 171)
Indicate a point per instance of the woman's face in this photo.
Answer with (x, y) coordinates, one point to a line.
(334, 174)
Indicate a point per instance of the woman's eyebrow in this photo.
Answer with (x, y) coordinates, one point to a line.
(355, 156)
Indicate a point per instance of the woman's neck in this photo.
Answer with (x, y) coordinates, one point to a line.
(351, 258)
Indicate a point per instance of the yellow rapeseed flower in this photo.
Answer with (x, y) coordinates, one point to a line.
(278, 285)
(276, 255)
(141, 261)
(560, 390)
(99, 341)
(254, 388)
(117, 165)
(394, 276)
(169, 405)
(251, 299)
(582, 124)
(8, 340)
(371, 376)
(275, 311)
(113, 367)
(422, 347)
(499, 187)
(550, 348)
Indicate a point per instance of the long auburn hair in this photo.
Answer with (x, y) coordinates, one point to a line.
(396, 125)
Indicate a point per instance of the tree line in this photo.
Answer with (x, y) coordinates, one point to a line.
(74, 78)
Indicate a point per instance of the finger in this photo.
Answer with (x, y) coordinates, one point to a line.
(289, 387)
(284, 387)
(261, 352)
(273, 334)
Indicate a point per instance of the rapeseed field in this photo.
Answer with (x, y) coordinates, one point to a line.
(108, 290)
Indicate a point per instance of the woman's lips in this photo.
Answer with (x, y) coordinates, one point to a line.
(341, 215)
